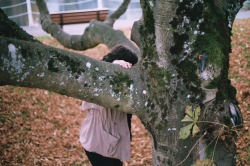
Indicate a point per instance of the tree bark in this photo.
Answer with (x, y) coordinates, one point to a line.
(171, 44)
(181, 80)
(68, 73)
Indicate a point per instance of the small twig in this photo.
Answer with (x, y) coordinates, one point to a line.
(209, 144)
(215, 148)
(213, 123)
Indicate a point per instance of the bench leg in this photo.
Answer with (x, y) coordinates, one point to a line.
(98, 16)
(61, 21)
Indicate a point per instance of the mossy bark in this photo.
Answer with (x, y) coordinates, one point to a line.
(177, 75)
(185, 48)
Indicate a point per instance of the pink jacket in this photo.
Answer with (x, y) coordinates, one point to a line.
(105, 132)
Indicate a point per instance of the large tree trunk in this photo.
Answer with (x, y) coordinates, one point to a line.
(182, 74)
(171, 44)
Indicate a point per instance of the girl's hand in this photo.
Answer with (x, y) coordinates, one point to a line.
(122, 63)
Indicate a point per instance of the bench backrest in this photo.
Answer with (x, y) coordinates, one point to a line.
(76, 17)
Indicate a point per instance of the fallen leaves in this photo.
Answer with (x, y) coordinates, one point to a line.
(240, 78)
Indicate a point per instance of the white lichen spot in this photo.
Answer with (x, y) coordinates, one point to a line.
(201, 20)
(80, 78)
(230, 22)
(96, 69)
(131, 87)
(144, 92)
(41, 75)
(151, 4)
(206, 75)
(172, 129)
(186, 20)
(12, 50)
(146, 104)
(101, 78)
(185, 46)
(16, 63)
(88, 65)
(188, 96)
(62, 83)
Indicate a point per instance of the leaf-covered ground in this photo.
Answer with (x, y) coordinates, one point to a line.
(38, 127)
(240, 77)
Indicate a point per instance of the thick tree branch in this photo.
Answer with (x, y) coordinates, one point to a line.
(69, 74)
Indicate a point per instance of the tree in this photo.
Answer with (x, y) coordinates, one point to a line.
(179, 89)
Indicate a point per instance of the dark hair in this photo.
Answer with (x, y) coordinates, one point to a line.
(121, 53)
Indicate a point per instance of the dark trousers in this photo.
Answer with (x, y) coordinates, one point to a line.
(99, 160)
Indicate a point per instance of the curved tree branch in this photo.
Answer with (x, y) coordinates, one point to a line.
(110, 20)
(96, 33)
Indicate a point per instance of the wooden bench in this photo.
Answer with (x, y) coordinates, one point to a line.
(79, 16)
